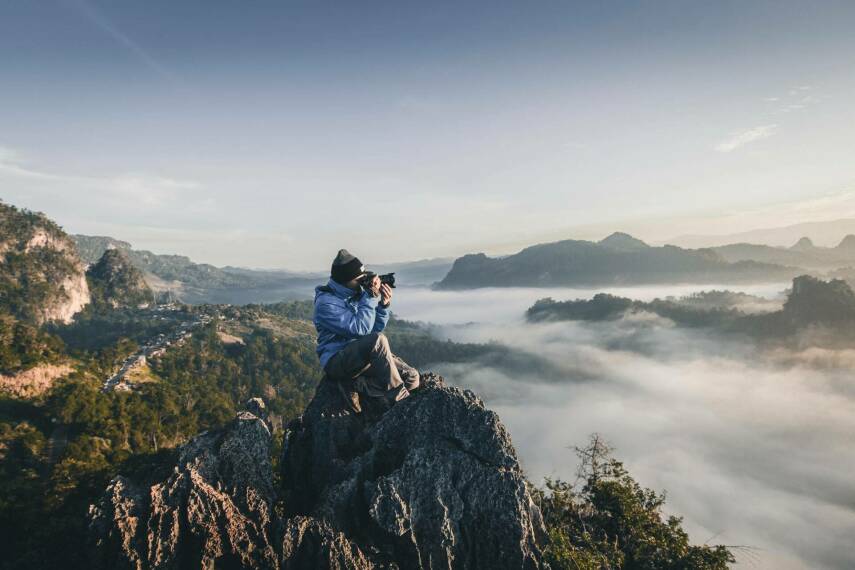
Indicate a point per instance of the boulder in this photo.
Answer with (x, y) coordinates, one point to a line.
(215, 510)
(433, 483)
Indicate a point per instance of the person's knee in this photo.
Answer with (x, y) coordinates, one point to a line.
(375, 343)
(380, 341)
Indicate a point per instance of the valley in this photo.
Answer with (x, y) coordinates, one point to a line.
(141, 374)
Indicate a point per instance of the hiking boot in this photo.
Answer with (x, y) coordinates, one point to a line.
(351, 397)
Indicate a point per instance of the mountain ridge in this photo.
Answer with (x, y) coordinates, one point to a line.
(823, 232)
(619, 259)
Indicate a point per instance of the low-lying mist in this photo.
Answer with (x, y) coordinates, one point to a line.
(754, 447)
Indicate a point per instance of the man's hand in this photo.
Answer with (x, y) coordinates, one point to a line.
(374, 287)
(385, 295)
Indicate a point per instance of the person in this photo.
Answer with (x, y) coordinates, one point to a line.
(350, 315)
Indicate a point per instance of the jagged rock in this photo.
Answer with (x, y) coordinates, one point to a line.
(435, 482)
(215, 510)
(308, 543)
(432, 483)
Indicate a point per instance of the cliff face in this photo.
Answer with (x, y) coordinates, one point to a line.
(433, 483)
(41, 277)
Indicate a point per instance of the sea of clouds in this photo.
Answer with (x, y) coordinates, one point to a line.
(753, 447)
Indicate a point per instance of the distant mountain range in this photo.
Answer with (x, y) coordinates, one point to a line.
(826, 233)
(617, 259)
(193, 282)
(803, 253)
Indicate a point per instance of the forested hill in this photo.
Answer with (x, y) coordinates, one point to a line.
(824, 308)
(114, 281)
(618, 259)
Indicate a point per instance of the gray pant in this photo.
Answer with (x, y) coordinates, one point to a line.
(375, 372)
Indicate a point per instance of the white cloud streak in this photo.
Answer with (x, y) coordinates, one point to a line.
(742, 138)
(129, 188)
(104, 24)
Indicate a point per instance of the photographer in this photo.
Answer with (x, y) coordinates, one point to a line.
(351, 311)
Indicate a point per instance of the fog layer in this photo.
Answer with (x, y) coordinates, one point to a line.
(753, 447)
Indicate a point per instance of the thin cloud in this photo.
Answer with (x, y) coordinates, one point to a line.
(740, 139)
(92, 14)
(141, 189)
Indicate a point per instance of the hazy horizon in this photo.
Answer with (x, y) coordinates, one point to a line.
(270, 136)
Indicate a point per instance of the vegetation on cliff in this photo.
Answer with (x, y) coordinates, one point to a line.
(607, 520)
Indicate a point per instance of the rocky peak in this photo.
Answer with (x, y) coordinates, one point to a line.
(435, 482)
(804, 244)
(432, 483)
(115, 281)
(620, 241)
(847, 243)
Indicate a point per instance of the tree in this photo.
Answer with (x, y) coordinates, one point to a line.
(606, 520)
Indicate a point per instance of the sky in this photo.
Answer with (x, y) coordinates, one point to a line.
(271, 134)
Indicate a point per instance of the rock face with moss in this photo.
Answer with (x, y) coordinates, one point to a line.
(432, 483)
(115, 282)
(41, 277)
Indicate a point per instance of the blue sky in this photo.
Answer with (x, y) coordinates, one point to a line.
(270, 134)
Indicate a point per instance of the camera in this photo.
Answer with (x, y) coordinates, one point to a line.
(387, 279)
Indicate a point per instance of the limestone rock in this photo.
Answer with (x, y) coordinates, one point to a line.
(41, 277)
(434, 483)
(215, 510)
(308, 544)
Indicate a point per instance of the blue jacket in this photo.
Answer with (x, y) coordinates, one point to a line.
(342, 316)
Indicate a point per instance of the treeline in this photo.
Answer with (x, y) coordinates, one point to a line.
(825, 309)
(23, 346)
